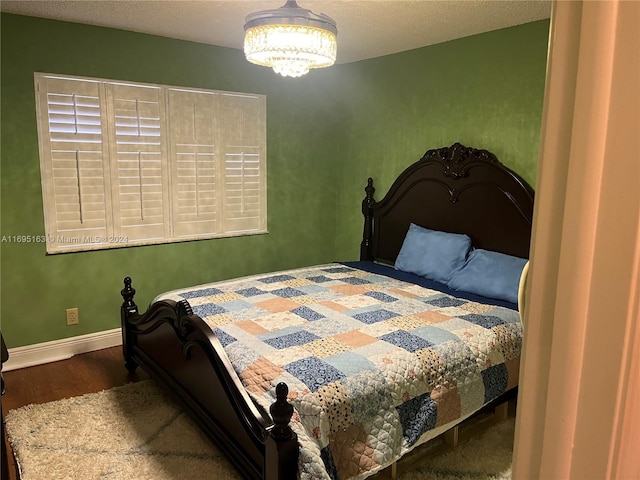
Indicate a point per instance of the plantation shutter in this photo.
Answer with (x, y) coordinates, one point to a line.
(244, 131)
(135, 164)
(194, 163)
(140, 174)
(74, 162)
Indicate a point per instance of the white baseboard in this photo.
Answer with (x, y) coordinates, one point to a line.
(30, 355)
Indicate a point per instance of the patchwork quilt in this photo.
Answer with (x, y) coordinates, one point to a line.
(374, 365)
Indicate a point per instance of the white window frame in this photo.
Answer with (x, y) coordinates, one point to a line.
(127, 164)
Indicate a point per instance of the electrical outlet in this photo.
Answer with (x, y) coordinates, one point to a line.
(72, 316)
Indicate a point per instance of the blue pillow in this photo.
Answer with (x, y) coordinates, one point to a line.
(432, 254)
(490, 274)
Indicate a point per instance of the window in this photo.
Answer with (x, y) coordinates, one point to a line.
(135, 164)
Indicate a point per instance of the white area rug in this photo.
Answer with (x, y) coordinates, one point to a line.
(137, 432)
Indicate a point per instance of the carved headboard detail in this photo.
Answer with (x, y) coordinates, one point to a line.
(455, 189)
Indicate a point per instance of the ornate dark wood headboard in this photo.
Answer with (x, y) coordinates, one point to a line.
(454, 189)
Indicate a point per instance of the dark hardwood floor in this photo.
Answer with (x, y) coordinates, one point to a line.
(84, 373)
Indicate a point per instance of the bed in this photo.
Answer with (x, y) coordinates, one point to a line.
(335, 371)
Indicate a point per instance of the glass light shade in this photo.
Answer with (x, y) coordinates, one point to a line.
(291, 40)
(291, 50)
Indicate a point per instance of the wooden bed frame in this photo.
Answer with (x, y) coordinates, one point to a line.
(454, 189)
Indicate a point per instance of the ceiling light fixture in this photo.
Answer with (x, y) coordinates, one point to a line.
(290, 39)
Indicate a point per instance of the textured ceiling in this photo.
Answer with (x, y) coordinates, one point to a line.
(366, 29)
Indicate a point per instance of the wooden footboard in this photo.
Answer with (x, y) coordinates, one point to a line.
(180, 351)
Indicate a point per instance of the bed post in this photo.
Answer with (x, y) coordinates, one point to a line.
(281, 459)
(128, 309)
(365, 246)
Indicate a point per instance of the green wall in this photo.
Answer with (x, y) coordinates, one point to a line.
(327, 132)
(484, 91)
(37, 288)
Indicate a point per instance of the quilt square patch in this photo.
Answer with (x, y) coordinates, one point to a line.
(304, 299)
(208, 309)
(403, 293)
(276, 278)
(325, 347)
(355, 302)
(297, 282)
(258, 376)
(250, 292)
(291, 339)
(495, 381)
(447, 398)
(334, 306)
(355, 338)
(224, 297)
(375, 316)
(200, 293)
(332, 326)
(287, 292)
(407, 322)
(368, 394)
(313, 372)
(417, 416)
(224, 338)
(351, 452)
(406, 340)
(337, 270)
(446, 302)
(474, 307)
(486, 321)
(251, 327)
(433, 367)
(247, 313)
(307, 313)
(432, 317)
(312, 290)
(513, 372)
(336, 405)
(435, 335)
(277, 305)
(288, 355)
(242, 356)
(350, 363)
(378, 329)
(219, 320)
(355, 280)
(319, 279)
(348, 289)
(460, 365)
(509, 339)
(382, 297)
(235, 305)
